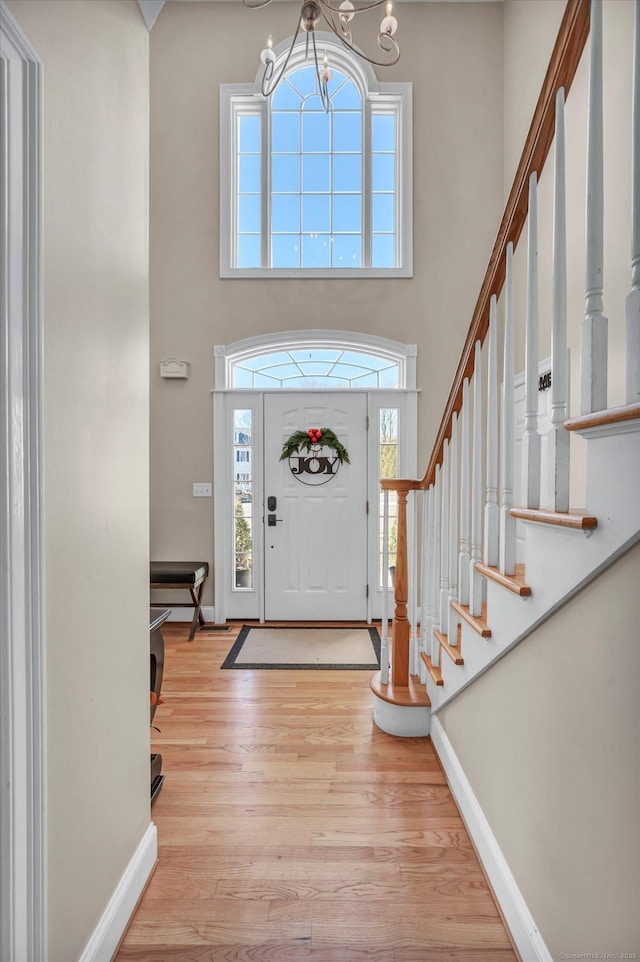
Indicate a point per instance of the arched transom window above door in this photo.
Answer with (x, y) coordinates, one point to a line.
(306, 192)
(315, 360)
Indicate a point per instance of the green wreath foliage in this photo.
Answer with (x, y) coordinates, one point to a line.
(300, 441)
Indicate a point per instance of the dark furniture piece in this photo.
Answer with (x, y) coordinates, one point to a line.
(186, 575)
(157, 617)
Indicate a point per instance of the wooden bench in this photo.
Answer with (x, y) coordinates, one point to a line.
(185, 575)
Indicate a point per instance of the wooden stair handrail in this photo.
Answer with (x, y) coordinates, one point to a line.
(561, 71)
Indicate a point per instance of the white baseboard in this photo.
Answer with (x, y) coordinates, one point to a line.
(524, 931)
(106, 936)
(186, 614)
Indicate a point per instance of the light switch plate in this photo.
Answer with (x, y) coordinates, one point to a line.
(201, 489)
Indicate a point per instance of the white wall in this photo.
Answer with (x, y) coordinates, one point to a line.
(550, 742)
(453, 54)
(96, 63)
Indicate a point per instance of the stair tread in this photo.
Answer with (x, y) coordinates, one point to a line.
(435, 672)
(515, 582)
(565, 519)
(453, 651)
(414, 696)
(478, 624)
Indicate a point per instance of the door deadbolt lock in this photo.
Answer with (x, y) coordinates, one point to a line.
(271, 503)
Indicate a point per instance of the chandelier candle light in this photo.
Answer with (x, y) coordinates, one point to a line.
(338, 19)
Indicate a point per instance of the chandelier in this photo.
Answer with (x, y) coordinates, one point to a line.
(339, 19)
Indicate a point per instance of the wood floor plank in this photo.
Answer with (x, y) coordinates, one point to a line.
(290, 828)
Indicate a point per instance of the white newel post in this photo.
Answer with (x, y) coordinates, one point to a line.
(452, 618)
(435, 566)
(633, 299)
(465, 497)
(531, 447)
(475, 580)
(491, 511)
(384, 641)
(558, 435)
(507, 459)
(426, 611)
(443, 620)
(593, 342)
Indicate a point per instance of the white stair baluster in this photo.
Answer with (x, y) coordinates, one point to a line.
(413, 590)
(426, 610)
(444, 542)
(475, 580)
(531, 447)
(384, 641)
(593, 341)
(434, 647)
(452, 617)
(633, 299)
(558, 435)
(492, 511)
(507, 459)
(465, 497)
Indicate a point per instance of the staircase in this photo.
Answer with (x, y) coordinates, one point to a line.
(478, 572)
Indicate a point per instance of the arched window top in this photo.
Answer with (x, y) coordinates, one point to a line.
(298, 90)
(360, 72)
(315, 360)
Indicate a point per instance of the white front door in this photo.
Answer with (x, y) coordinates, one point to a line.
(315, 549)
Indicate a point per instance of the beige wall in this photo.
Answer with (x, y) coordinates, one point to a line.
(550, 742)
(453, 54)
(95, 57)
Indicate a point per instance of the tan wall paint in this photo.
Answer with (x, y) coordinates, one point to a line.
(550, 742)
(95, 57)
(453, 54)
(529, 34)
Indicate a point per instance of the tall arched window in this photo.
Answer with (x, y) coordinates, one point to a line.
(306, 192)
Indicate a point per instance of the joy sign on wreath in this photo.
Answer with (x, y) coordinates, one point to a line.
(314, 455)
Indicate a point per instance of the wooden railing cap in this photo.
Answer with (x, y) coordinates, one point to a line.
(400, 484)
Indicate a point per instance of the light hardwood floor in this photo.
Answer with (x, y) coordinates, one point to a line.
(290, 828)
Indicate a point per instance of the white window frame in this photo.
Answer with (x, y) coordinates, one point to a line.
(396, 98)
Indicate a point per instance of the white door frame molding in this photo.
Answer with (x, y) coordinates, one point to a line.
(23, 841)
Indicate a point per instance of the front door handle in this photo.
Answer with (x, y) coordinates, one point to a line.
(272, 520)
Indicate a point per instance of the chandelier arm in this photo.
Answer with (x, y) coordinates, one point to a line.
(256, 5)
(322, 87)
(342, 32)
(355, 11)
(268, 89)
(382, 38)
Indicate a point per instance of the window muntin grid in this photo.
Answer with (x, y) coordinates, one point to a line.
(242, 498)
(315, 369)
(249, 189)
(388, 468)
(316, 173)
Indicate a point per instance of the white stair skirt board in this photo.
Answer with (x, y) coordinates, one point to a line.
(522, 927)
(107, 934)
(186, 614)
(404, 720)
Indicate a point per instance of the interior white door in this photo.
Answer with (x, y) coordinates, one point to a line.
(315, 555)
